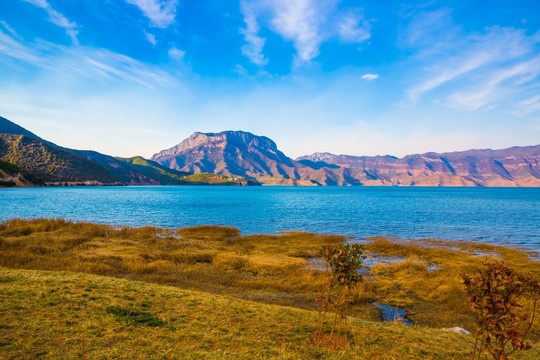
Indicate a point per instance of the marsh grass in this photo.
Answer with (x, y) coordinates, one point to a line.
(272, 269)
(209, 258)
(428, 281)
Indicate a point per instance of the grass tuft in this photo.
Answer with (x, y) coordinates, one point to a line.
(135, 316)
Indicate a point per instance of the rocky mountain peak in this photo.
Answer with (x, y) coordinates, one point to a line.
(233, 138)
(230, 153)
(318, 156)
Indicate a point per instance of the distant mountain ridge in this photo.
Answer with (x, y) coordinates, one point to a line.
(238, 153)
(516, 166)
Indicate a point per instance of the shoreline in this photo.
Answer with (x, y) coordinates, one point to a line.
(361, 238)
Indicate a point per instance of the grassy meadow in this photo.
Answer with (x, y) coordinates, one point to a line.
(89, 290)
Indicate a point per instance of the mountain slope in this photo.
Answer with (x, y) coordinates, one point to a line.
(50, 164)
(135, 170)
(237, 153)
(516, 166)
(12, 176)
(231, 153)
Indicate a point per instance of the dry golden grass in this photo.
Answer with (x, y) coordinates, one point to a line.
(268, 268)
(427, 280)
(265, 268)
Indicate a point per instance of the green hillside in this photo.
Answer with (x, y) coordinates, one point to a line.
(7, 172)
(8, 168)
(12, 176)
(154, 170)
(52, 165)
(214, 179)
(132, 171)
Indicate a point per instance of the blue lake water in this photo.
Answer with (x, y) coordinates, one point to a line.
(496, 215)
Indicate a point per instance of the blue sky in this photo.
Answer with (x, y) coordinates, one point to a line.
(132, 77)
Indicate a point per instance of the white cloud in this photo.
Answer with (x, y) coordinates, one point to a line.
(528, 106)
(254, 47)
(354, 29)
(57, 18)
(474, 71)
(369, 77)
(498, 84)
(176, 54)
(161, 13)
(299, 22)
(93, 63)
(9, 29)
(305, 23)
(151, 38)
(430, 29)
(444, 74)
(11, 48)
(240, 70)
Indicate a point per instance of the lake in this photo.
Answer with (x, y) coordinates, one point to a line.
(494, 215)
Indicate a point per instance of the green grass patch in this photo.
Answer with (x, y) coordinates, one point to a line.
(135, 316)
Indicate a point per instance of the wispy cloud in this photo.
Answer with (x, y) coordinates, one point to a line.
(497, 85)
(161, 13)
(240, 70)
(354, 28)
(469, 71)
(9, 29)
(57, 18)
(496, 47)
(254, 43)
(369, 77)
(151, 38)
(430, 30)
(176, 54)
(93, 63)
(528, 106)
(11, 48)
(305, 23)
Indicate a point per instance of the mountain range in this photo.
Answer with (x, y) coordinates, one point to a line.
(28, 160)
(238, 157)
(237, 153)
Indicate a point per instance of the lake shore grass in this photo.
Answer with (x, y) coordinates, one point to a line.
(421, 276)
(65, 315)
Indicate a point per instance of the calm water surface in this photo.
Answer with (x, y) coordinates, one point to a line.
(497, 215)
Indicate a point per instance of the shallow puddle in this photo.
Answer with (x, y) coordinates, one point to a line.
(392, 314)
